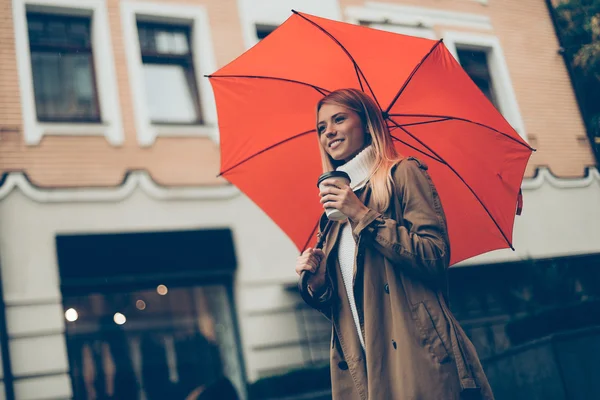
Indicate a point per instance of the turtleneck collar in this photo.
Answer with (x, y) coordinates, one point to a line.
(359, 167)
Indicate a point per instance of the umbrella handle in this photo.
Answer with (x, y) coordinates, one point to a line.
(305, 275)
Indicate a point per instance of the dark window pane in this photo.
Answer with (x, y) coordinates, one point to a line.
(146, 40)
(64, 87)
(56, 32)
(79, 34)
(36, 30)
(262, 30)
(59, 31)
(475, 63)
(62, 68)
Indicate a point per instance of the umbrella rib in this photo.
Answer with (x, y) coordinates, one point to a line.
(357, 69)
(426, 122)
(412, 74)
(358, 76)
(264, 150)
(321, 90)
(447, 118)
(463, 181)
(419, 150)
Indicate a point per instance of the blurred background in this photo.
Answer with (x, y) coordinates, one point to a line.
(130, 271)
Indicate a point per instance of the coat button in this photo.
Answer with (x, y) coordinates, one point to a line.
(394, 344)
(343, 365)
(387, 288)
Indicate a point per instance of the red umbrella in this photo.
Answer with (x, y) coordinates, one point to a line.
(266, 102)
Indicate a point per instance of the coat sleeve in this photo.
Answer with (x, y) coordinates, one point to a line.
(420, 244)
(321, 301)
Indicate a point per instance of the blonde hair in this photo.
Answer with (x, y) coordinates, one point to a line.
(378, 136)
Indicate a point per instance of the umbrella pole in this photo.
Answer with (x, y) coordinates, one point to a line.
(305, 275)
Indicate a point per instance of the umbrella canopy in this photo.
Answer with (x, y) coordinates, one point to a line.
(266, 103)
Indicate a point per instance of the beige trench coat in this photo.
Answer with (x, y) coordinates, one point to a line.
(415, 348)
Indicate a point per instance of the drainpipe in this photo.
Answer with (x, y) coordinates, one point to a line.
(9, 389)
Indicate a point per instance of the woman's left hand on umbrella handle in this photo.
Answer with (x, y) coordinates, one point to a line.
(342, 197)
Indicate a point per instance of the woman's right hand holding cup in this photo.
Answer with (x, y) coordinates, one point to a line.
(313, 261)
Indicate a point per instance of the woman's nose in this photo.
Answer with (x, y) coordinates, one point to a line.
(330, 132)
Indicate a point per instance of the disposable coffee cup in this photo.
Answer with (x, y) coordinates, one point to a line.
(333, 213)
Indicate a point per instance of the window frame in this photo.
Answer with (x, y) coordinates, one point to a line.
(203, 58)
(110, 125)
(69, 50)
(500, 76)
(263, 28)
(186, 61)
(485, 53)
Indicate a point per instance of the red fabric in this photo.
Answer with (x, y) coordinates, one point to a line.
(266, 102)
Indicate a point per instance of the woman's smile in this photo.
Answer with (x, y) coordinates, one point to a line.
(334, 144)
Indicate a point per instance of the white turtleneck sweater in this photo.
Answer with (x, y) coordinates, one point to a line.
(359, 169)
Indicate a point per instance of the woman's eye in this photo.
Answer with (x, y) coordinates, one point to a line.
(320, 130)
(339, 120)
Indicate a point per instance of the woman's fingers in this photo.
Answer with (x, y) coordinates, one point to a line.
(329, 198)
(305, 267)
(319, 253)
(332, 182)
(309, 260)
(330, 190)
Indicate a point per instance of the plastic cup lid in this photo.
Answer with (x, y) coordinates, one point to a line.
(333, 174)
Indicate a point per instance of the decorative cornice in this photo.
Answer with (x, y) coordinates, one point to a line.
(142, 180)
(543, 174)
(381, 12)
(132, 181)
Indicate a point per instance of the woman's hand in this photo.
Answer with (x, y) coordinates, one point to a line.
(338, 195)
(312, 260)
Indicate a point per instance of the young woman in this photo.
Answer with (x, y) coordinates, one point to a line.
(381, 275)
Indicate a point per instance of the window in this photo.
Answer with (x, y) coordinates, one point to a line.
(62, 68)
(481, 56)
(155, 343)
(262, 30)
(169, 77)
(169, 49)
(475, 63)
(66, 70)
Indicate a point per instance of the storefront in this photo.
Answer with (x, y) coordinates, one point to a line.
(149, 315)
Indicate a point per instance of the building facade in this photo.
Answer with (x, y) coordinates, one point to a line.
(129, 267)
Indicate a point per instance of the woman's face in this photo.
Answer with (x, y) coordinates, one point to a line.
(341, 132)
